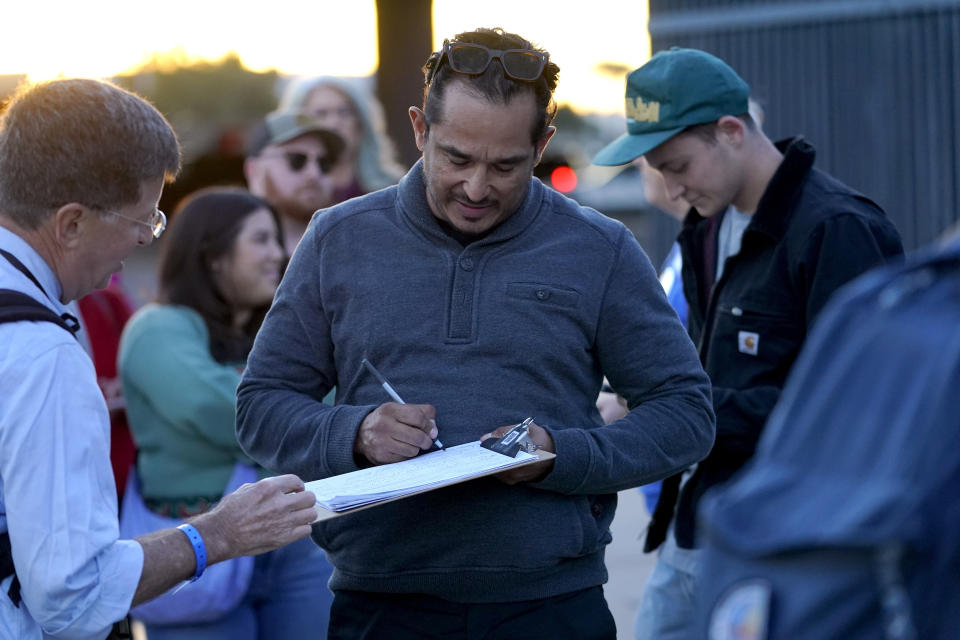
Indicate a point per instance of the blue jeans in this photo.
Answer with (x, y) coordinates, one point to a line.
(288, 599)
(668, 605)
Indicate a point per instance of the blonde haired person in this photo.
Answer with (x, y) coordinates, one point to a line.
(368, 162)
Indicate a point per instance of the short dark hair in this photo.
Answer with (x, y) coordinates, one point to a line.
(79, 140)
(203, 229)
(707, 131)
(493, 84)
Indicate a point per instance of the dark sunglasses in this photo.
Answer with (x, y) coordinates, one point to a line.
(473, 59)
(297, 160)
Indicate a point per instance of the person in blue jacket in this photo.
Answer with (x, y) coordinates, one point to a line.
(844, 524)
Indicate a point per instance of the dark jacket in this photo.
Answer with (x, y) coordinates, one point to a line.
(809, 235)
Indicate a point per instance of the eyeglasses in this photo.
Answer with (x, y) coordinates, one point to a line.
(297, 160)
(473, 59)
(157, 221)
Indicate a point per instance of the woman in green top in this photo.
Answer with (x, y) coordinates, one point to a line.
(180, 362)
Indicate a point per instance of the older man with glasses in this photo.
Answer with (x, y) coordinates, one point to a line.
(485, 297)
(289, 157)
(82, 166)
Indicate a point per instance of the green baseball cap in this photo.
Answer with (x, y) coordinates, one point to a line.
(676, 89)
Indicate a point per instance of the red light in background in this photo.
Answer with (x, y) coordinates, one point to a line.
(563, 179)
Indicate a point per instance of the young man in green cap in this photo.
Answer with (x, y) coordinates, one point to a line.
(766, 242)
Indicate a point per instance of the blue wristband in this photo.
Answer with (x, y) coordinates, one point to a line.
(199, 549)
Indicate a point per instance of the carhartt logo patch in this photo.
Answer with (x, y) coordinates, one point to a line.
(643, 111)
(748, 342)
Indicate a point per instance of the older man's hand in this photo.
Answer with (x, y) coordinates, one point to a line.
(257, 518)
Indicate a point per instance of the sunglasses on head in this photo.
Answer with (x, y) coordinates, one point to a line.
(473, 59)
(297, 160)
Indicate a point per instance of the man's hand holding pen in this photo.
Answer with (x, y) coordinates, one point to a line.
(395, 432)
(531, 472)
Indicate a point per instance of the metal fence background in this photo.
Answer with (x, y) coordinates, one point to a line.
(873, 84)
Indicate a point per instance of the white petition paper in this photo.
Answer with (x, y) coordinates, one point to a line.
(382, 482)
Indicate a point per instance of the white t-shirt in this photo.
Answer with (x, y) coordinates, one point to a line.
(731, 233)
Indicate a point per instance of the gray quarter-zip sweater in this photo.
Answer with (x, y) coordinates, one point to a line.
(524, 322)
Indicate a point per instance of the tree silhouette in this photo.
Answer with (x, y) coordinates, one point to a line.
(404, 38)
(212, 107)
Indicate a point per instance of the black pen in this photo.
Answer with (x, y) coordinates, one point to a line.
(392, 392)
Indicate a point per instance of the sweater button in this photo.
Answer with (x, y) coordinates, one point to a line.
(466, 264)
(542, 294)
(596, 509)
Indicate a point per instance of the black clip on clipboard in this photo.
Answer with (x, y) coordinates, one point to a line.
(513, 441)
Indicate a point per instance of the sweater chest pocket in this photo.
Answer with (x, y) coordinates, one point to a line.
(550, 317)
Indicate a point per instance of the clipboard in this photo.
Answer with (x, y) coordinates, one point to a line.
(324, 513)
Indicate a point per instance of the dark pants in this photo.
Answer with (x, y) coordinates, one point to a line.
(581, 615)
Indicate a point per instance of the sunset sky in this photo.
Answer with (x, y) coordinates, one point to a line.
(101, 38)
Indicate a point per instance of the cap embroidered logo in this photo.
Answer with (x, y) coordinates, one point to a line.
(643, 111)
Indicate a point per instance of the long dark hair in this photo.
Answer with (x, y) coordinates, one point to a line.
(204, 228)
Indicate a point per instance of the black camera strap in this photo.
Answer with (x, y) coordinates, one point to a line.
(16, 306)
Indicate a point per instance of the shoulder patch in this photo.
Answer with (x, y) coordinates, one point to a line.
(742, 612)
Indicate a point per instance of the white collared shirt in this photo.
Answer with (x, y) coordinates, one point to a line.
(57, 494)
